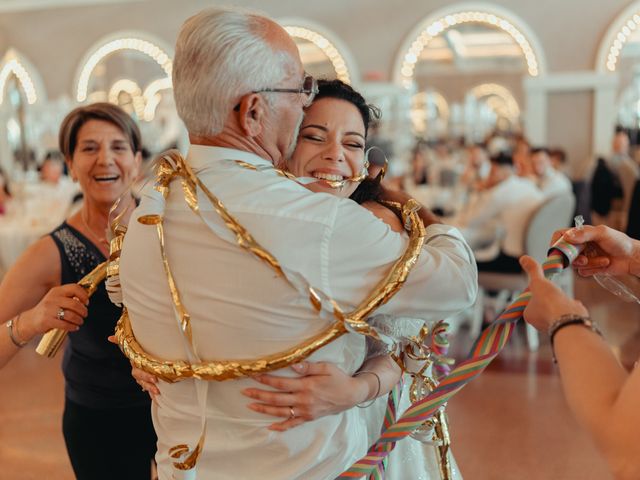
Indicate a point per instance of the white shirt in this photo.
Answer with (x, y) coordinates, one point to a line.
(554, 183)
(509, 205)
(240, 309)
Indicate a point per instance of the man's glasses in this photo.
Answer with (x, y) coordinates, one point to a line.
(307, 92)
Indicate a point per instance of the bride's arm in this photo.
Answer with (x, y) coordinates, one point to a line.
(323, 389)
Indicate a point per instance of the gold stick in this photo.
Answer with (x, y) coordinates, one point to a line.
(53, 339)
(443, 446)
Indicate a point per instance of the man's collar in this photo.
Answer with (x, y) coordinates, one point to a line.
(201, 156)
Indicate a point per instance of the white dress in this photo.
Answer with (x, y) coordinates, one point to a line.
(410, 459)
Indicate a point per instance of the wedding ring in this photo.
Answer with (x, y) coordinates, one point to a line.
(60, 314)
(292, 413)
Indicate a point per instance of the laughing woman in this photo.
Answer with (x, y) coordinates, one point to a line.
(106, 423)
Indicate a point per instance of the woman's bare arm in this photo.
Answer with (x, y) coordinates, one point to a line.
(599, 391)
(30, 289)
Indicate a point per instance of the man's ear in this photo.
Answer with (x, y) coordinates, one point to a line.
(252, 114)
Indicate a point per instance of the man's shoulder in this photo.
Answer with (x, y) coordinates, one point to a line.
(270, 194)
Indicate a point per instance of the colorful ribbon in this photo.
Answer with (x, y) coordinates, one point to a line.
(440, 348)
(490, 343)
(390, 417)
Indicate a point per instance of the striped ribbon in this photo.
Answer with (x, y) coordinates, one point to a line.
(390, 417)
(490, 343)
(440, 349)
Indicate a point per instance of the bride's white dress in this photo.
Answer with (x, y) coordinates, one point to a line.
(411, 459)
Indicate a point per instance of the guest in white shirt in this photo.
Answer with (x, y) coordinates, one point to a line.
(240, 88)
(550, 181)
(558, 158)
(507, 204)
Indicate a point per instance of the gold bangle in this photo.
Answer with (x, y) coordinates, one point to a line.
(14, 337)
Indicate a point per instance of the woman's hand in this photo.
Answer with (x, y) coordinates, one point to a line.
(402, 197)
(607, 250)
(72, 299)
(548, 302)
(148, 382)
(398, 196)
(323, 390)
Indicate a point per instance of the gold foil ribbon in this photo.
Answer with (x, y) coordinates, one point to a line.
(421, 386)
(53, 339)
(172, 166)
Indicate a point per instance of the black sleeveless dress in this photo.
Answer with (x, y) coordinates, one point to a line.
(107, 419)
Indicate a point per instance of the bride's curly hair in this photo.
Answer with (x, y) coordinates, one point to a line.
(369, 189)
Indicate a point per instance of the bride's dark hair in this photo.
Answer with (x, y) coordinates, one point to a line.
(369, 189)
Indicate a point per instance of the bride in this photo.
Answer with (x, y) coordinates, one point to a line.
(330, 158)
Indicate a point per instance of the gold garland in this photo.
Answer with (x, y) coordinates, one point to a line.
(173, 166)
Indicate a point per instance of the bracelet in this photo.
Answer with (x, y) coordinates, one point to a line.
(372, 401)
(565, 321)
(10, 324)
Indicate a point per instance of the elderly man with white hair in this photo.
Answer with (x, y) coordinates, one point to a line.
(240, 88)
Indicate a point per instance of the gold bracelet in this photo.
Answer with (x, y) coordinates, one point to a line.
(10, 324)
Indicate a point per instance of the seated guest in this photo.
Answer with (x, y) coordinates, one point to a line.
(442, 168)
(508, 202)
(51, 169)
(477, 169)
(558, 159)
(521, 158)
(550, 181)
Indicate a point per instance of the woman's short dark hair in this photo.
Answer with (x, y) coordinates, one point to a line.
(107, 112)
(340, 90)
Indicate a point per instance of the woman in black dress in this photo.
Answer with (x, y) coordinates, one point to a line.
(107, 422)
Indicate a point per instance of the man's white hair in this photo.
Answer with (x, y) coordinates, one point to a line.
(221, 55)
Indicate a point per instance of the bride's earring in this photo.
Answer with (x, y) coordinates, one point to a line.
(365, 169)
(378, 157)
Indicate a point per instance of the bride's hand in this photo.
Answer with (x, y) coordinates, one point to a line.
(323, 389)
(402, 197)
(148, 382)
